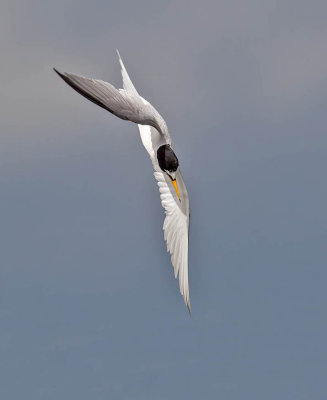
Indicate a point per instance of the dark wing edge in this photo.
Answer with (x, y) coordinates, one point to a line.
(91, 90)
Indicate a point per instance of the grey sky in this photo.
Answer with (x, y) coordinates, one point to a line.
(89, 306)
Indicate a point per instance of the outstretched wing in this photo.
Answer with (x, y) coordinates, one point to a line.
(176, 227)
(127, 83)
(176, 224)
(122, 103)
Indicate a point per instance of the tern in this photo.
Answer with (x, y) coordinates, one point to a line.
(128, 105)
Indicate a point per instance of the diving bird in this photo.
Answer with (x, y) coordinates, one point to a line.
(127, 104)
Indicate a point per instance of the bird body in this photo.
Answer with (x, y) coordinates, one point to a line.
(127, 104)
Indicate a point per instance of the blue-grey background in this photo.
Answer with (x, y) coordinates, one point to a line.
(89, 307)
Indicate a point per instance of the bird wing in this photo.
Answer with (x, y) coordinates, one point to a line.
(127, 105)
(176, 227)
(127, 83)
(176, 224)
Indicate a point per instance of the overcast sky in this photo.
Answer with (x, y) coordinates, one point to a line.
(89, 307)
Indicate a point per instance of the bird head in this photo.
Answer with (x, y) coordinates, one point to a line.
(168, 162)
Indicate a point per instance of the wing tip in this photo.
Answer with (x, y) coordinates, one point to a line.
(61, 74)
(120, 60)
(56, 71)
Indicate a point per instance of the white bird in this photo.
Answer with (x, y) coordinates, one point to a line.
(127, 104)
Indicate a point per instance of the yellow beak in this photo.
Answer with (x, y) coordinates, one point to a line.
(176, 188)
